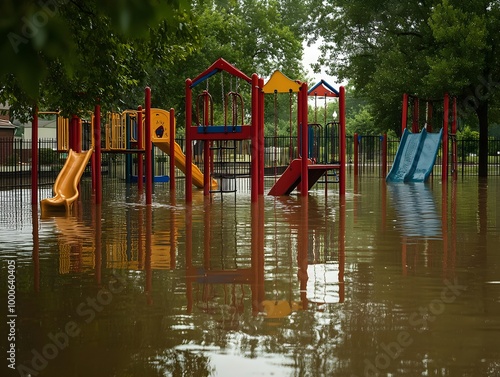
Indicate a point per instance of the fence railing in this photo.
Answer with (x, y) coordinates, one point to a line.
(15, 158)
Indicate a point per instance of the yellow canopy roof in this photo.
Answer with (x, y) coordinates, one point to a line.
(280, 83)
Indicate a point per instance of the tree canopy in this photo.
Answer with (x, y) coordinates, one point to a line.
(389, 47)
(72, 54)
(69, 54)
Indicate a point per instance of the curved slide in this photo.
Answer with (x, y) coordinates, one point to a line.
(415, 157)
(66, 184)
(160, 122)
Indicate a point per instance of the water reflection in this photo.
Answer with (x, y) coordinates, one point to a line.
(287, 287)
(416, 210)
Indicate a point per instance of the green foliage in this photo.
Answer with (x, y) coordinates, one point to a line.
(362, 123)
(71, 55)
(389, 47)
(467, 143)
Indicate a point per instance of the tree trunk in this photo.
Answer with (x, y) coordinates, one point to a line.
(482, 115)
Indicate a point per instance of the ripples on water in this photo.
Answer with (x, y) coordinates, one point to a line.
(284, 288)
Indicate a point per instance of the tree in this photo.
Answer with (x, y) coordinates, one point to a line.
(71, 54)
(253, 35)
(427, 48)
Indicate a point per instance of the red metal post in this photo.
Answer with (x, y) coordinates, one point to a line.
(172, 150)
(34, 157)
(255, 139)
(384, 155)
(445, 138)
(140, 146)
(148, 148)
(260, 113)
(97, 155)
(342, 136)
(356, 156)
(189, 146)
(404, 116)
(305, 141)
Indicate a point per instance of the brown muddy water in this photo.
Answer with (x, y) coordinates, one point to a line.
(399, 280)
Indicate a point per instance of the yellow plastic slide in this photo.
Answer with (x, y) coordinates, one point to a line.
(66, 185)
(160, 127)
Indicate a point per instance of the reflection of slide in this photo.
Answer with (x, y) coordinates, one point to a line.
(415, 157)
(66, 185)
(160, 126)
(292, 176)
(416, 210)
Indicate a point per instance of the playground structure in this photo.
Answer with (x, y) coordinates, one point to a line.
(133, 132)
(419, 148)
(215, 138)
(304, 170)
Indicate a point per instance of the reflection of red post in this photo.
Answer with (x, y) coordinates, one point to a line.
(384, 203)
(445, 138)
(36, 248)
(444, 225)
(384, 155)
(189, 145)
(98, 245)
(453, 225)
(97, 155)
(305, 142)
(257, 244)
(34, 158)
(260, 265)
(207, 235)
(172, 150)
(303, 248)
(140, 145)
(189, 257)
(172, 231)
(356, 147)
(342, 137)
(342, 227)
(404, 116)
(140, 249)
(148, 148)
(147, 262)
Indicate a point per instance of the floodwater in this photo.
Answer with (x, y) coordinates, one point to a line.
(398, 280)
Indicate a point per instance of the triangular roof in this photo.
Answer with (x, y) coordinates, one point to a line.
(218, 66)
(279, 83)
(323, 89)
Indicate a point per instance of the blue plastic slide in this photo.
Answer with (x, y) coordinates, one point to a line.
(415, 157)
